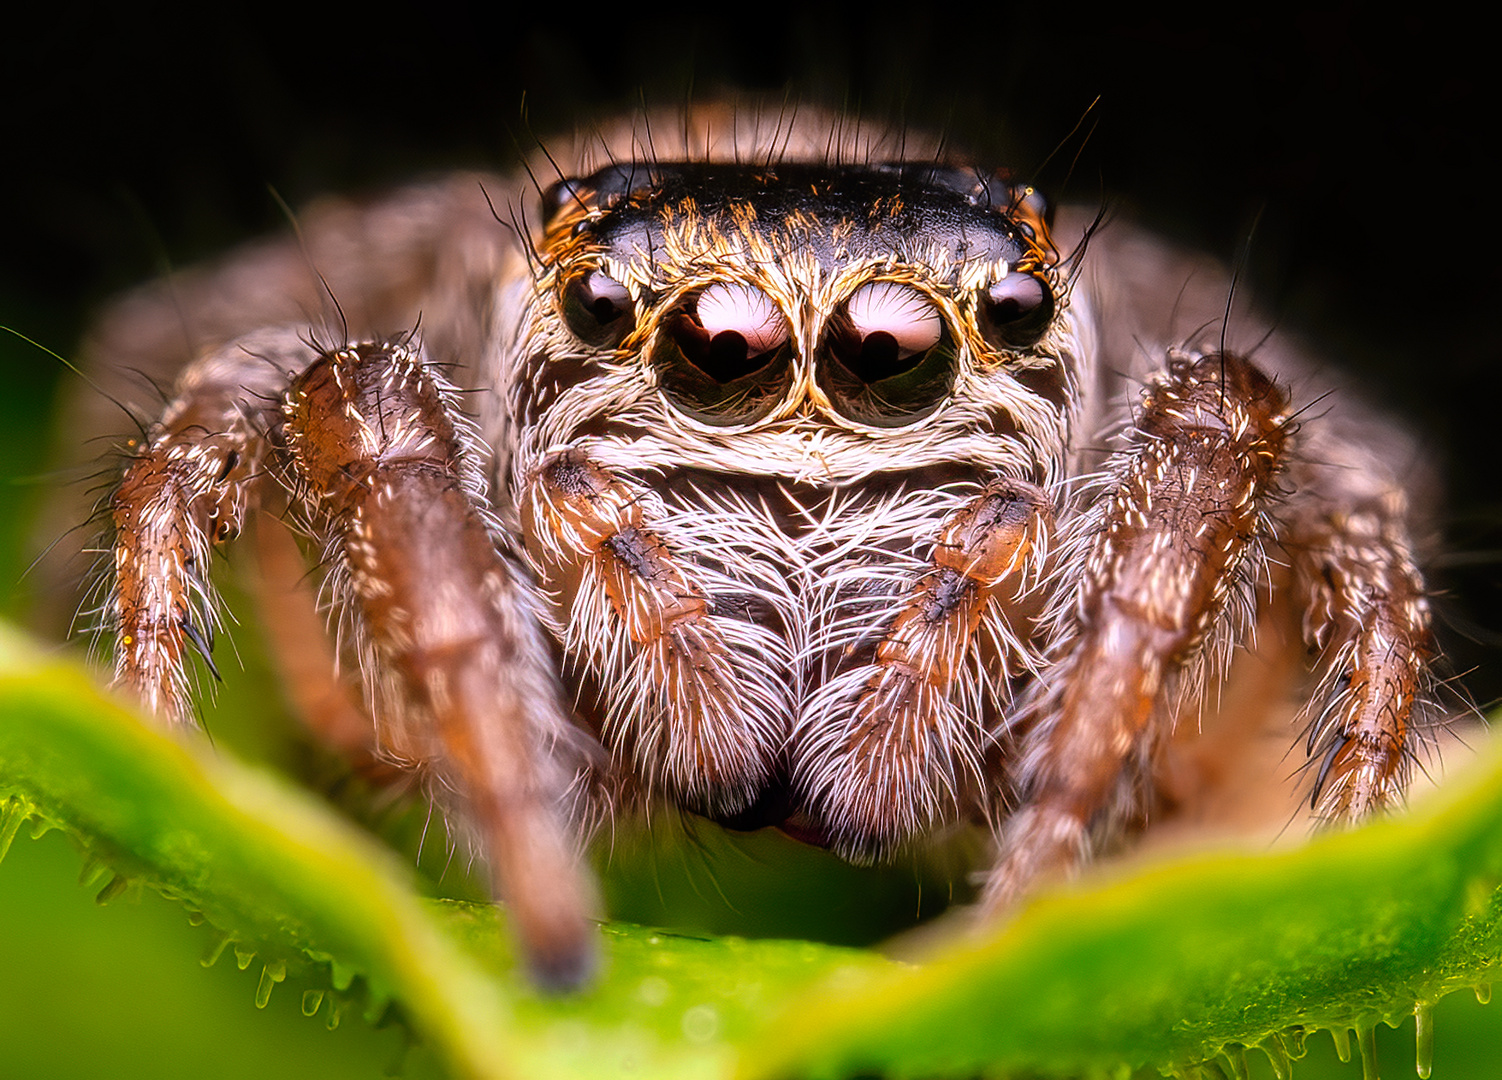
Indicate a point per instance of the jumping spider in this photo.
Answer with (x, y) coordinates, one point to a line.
(781, 477)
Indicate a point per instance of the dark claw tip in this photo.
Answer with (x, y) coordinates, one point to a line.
(565, 969)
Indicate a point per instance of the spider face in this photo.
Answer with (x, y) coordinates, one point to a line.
(802, 493)
(791, 372)
(804, 298)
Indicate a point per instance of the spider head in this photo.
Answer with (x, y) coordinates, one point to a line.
(810, 300)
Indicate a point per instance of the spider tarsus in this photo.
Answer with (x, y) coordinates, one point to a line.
(1368, 616)
(185, 490)
(1039, 841)
(565, 966)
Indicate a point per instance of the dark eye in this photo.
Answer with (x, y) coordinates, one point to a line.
(1015, 311)
(887, 358)
(725, 355)
(597, 308)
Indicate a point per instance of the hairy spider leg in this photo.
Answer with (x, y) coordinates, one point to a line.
(1166, 549)
(186, 490)
(1366, 618)
(893, 744)
(690, 707)
(392, 469)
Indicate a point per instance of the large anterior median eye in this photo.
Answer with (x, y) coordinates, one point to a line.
(724, 356)
(1015, 311)
(597, 308)
(887, 358)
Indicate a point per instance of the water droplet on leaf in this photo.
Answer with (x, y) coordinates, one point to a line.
(40, 827)
(376, 1007)
(271, 974)
(1236, 1057)
(1423, 1039)
(13, 814)
(1366, 1039)
(112, 888)
(1277, 1053)
(90, 872)
(215, 950)
(701, 1023)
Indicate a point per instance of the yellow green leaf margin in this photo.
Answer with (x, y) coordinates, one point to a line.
(1167, 965)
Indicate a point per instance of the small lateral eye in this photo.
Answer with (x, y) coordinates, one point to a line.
(598, 309)
(1016, 310)
(558, 196)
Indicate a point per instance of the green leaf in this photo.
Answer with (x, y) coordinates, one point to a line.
(1162, 963)
(289, 881)
(1171, 963)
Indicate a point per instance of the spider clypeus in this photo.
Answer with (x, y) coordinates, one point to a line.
(782, 476)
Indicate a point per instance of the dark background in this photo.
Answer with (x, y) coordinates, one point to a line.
(149, 137)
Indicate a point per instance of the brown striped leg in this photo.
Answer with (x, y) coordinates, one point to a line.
(392, 472)
(184, 491)
(1367, 617)
(893, 745)
(694, 698)
(1159, 558)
